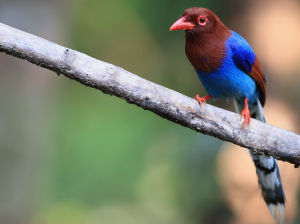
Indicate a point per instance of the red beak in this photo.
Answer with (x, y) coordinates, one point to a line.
(181, 24)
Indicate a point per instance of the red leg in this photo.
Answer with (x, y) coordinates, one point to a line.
(202, 99)
(246, 113)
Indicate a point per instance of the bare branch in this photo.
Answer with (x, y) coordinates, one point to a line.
(263, 138)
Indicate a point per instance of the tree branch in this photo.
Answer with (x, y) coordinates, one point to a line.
(262, 138)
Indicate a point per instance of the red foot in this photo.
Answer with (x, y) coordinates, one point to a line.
(202, 99)
(246, 113)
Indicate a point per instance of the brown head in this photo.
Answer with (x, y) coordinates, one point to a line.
(205, 36)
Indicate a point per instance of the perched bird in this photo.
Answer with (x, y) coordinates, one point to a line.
(228, 68)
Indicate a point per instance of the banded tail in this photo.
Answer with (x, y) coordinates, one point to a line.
(268, 173)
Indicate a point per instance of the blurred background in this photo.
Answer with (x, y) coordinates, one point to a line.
(71, 155)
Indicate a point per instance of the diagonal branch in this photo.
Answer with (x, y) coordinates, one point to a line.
(263, 138)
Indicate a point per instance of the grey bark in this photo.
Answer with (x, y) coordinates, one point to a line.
(225, 125)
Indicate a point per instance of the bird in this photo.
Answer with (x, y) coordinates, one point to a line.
(228, 68)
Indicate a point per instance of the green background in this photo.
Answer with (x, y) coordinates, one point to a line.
(70, 154)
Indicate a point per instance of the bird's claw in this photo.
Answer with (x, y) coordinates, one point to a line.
(246, 114)
(200, 100)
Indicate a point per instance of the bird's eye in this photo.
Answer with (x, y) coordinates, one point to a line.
(202, 20)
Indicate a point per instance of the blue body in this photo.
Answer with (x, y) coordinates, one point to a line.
(231, 79)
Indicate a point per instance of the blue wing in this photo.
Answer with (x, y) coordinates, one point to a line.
(243, 55)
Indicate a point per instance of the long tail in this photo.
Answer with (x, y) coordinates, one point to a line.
(268, 173)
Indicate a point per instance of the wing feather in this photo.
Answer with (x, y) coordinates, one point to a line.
(246, 60)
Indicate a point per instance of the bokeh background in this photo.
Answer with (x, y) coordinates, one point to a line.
(71, 155)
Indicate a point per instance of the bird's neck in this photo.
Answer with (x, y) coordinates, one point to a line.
(206, 51)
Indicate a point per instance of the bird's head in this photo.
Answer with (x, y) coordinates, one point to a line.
(205, 36)
(197, 20)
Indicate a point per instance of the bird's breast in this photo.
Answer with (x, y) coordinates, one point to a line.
(205, 58)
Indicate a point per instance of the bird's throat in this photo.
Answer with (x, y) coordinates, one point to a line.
(205, 51)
